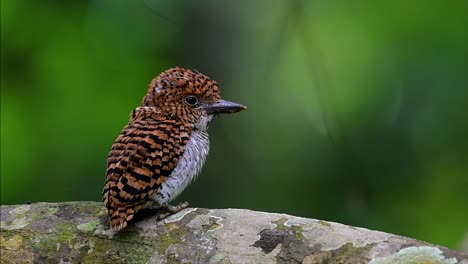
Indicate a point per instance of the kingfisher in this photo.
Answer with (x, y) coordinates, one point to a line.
(164, 146)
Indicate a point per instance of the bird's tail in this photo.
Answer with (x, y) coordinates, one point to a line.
(119, 217)
(119, 213)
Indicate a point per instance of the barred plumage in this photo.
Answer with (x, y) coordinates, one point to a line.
(167, 132)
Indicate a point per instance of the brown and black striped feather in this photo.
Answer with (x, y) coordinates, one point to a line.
(141, 159)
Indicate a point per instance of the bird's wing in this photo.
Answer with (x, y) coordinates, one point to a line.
(141, 159)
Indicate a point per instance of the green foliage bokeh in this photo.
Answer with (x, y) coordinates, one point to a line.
(357, 110)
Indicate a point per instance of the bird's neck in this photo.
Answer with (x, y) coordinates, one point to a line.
(202, 123)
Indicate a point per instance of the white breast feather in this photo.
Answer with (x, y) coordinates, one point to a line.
(187, 169)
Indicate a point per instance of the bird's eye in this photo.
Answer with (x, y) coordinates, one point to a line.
(191, 100)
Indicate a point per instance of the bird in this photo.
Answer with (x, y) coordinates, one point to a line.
(164, 146)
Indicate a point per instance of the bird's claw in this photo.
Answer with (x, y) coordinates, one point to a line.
(171, 209)
(175, 208)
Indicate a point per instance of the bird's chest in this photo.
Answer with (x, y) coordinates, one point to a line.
(188, 167)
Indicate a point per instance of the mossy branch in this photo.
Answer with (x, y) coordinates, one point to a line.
(74, 232)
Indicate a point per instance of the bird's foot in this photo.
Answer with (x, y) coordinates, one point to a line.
(175, 208)
(170, 209)
(161, 216)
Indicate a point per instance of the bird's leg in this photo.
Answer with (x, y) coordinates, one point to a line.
(161, 216)
(175, 208)
(154, 206)
(170, 209)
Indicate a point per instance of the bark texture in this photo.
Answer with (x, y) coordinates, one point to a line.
(74, 232)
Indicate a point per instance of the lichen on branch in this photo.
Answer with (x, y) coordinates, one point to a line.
(75, 232)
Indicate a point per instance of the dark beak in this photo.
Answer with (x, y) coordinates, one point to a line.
(222, 107)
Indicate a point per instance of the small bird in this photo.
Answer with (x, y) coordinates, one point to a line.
(164, 145)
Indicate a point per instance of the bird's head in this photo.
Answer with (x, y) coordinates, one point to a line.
(189, 96)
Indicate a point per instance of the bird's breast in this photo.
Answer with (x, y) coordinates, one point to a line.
(187, 169)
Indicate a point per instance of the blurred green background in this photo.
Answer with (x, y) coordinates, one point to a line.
(357, 109)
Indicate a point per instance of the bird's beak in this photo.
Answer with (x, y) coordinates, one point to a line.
(222, 107)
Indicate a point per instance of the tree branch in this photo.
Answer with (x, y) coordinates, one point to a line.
(74, 232)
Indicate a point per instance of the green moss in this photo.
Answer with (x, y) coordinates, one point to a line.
(345, 254)
(40, 213)
(6, 235)
(126, 247)
(14, 248)
(51, 211)
(136, 253)
(297, 232)
(280, 225)
(65, 232)
(320, 222)
(102, 251)
(63, 239)
(13, 243)
(48, 244)
(174, 235)
(348, 252)
(117, 251)
(89, 226)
